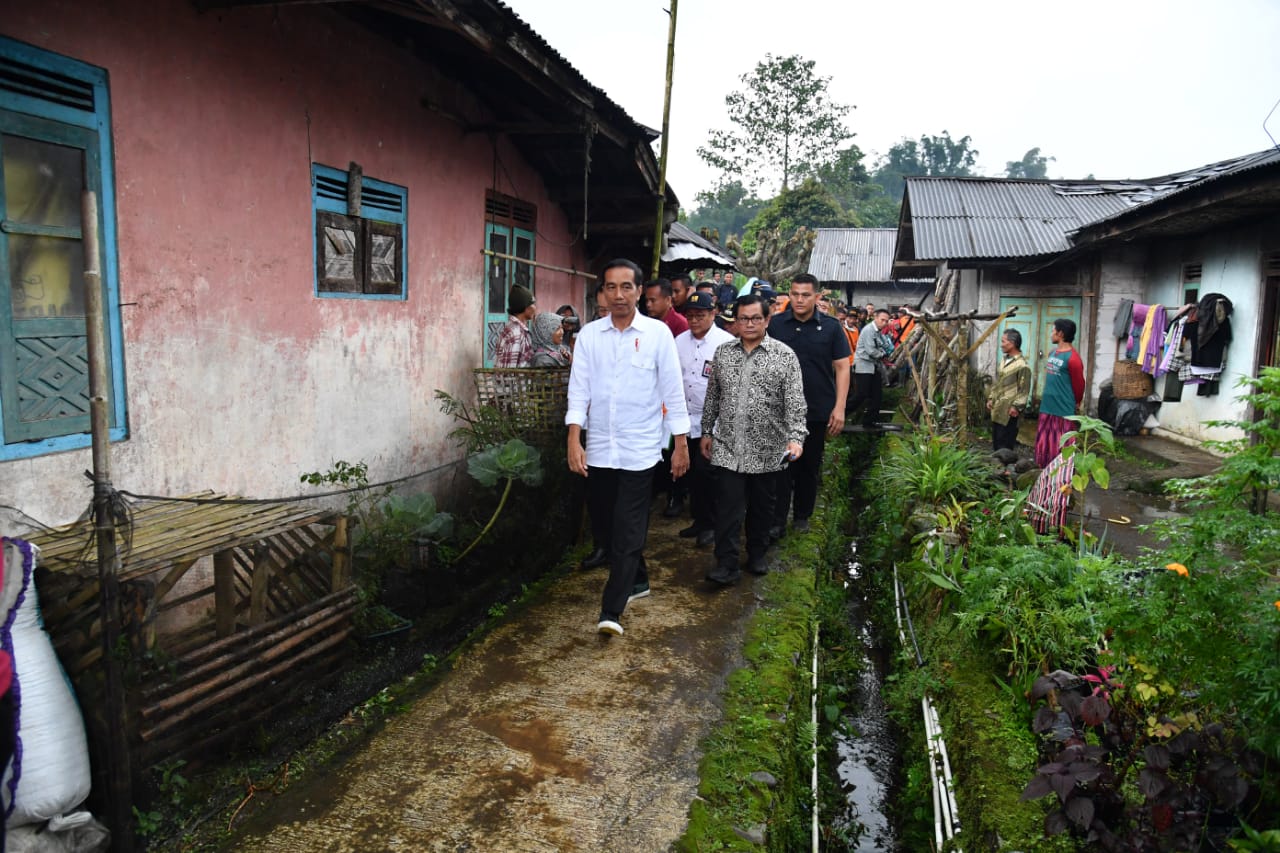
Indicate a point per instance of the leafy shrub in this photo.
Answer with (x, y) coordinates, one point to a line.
(1033, 606)
(931, 469)
(1130, 779)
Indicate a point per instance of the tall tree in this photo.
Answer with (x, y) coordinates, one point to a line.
(727, 209)
(787, 125)
(847, 179)
(809, 205)
(1032, 165)
(931, 155)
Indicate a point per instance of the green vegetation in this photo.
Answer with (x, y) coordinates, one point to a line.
(1110, 704)
(784, 121)
(766, 704)
(513, 461)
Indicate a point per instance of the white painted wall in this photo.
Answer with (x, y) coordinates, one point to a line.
(1122, 276)
(1231, 265)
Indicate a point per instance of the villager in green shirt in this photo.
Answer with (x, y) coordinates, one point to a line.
(1010, 393)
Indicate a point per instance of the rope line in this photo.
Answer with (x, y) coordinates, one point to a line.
(295, 498)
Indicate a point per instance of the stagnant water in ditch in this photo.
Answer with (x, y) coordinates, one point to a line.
(866, 745)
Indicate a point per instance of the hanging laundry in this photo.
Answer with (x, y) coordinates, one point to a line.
(1139, 321)
(1149, 346)
(1172, 347)
(1124, 319)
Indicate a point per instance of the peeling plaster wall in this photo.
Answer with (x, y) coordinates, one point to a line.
(1121, 275)
(1231, 263)
(240, 379)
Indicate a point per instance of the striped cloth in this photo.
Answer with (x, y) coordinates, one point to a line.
(1051, 495)
(1049, 432)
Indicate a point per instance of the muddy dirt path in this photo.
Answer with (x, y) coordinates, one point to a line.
(546, 736)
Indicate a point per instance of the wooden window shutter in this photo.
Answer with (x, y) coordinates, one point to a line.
(340, 250)
(360, 233)
(383, 247)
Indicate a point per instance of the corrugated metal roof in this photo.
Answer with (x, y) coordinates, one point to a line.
(853, 254)
(953, 218)
(1000, 218)
(1154, 190)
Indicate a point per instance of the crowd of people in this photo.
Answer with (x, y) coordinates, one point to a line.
(723, 395)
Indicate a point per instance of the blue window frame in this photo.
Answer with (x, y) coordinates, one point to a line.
(55, 142)
(359, 227)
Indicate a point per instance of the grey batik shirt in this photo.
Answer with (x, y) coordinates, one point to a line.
(755, 406)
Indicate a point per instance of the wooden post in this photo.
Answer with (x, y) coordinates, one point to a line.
(258, 585)
(119, 770)
(341, 555)
(662, 157)
(224, 593)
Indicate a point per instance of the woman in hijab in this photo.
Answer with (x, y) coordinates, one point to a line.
(547, 332)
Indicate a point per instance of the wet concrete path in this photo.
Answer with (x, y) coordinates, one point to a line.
(546, 736)
(1136, 497)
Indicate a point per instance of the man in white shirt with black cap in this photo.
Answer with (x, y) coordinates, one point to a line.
(697, 348)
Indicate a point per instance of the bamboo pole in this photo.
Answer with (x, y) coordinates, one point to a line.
(241, 685)
(118, 770)
(232, 667)
(537, 264)
(278, 628)
(666, 135)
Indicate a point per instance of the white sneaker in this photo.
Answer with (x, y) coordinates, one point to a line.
(608, 626)
(638, 591)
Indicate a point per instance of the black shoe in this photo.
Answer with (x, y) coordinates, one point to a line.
(800, 525)
(598, 557)
(775, 533)
(724, 577)
(758, 566)
(706, 537)
(691, 531)
(675, 506)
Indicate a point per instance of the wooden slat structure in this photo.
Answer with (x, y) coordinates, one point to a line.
(277, 581)
(534, 399)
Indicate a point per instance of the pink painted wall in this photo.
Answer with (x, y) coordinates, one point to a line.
(239, 378)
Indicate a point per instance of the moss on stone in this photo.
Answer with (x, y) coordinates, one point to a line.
(766, 722)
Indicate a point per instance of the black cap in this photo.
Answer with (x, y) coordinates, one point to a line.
(702, 301)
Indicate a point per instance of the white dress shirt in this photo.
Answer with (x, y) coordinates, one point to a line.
(620, 384)
(695, 368)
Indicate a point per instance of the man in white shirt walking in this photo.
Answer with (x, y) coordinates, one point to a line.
(624, 389)
(697, 348)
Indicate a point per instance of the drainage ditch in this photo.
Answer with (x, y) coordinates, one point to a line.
(866, 753)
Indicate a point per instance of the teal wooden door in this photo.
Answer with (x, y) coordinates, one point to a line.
(1034, 321)
(500, 274)
(43, 344)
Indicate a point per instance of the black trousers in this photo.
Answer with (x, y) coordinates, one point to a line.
(798, 483)
(1004, 437)
(741, 497)
(664, 482)
(702, 487)
(619, 505)
(866, 388)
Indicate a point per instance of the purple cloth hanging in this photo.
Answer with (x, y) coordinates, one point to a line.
(1135, 330)
(1149, 358)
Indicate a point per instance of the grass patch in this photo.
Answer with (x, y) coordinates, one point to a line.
(766, 724)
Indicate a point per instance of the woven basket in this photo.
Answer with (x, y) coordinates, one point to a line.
(535, 398)
(1128, 382)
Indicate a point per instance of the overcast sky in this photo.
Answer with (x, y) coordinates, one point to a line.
(1116, 88)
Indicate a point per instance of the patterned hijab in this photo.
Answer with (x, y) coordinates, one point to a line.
(541, 329)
